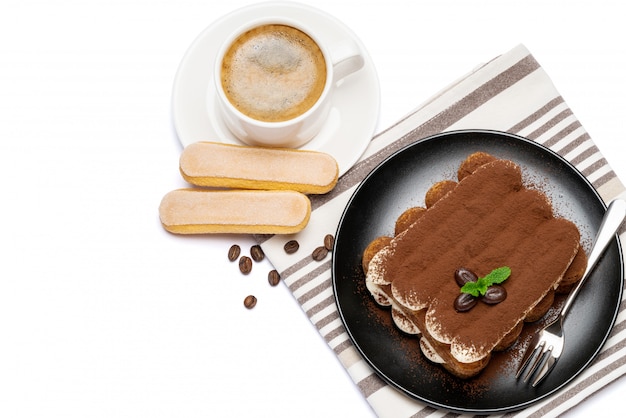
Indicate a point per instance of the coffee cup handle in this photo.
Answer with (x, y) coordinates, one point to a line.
(347, 58)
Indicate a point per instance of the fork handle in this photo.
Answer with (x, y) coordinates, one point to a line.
(615, 214)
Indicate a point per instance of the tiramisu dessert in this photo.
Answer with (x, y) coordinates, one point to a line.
(464, 273)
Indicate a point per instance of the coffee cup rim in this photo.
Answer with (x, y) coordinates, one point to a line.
(268, 20)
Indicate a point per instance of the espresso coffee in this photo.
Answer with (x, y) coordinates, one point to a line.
(273, 73)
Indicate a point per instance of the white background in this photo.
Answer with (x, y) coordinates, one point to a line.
(103, 313)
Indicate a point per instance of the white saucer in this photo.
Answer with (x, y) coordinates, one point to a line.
(356, 102)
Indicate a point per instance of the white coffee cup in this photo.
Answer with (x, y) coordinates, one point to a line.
(294, 108)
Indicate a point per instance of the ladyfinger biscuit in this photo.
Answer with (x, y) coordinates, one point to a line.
(372, 248)
(195, 211)
(246, 167)
(407, 218)
(437, 191)
(472, 162)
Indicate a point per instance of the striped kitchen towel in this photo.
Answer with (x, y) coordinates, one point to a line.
(511, 93)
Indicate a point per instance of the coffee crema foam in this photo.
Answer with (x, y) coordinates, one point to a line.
(273, 73)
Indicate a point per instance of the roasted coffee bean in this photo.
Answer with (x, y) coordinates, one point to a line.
(463, 275)
(494, 294)
(329, 242)
(464, 302)
(233, 252)
(256, 252)
(245, 264)
(273, 278)
(291, 246)
(319, 253)
(250, 301)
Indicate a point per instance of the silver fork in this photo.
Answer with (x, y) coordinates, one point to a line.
(547, 345)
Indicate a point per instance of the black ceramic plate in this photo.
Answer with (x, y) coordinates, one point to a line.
(400, 182)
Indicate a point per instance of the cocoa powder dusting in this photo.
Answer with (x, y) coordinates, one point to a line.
(489, 221)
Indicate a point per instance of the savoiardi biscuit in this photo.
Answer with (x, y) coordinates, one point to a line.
(212, 164)
(198, 211)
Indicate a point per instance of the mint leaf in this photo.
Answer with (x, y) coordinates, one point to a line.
(497, 276)
(473, 288)
(479, 287)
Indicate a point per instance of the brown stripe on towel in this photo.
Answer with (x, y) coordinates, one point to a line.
(549, 125)
(536, 115)
(603, 180)
(294, 268)
(594, 167)
(370, 384)
(313, 274)
(326, 284)
(571, 146)
(323, 304)
(334, 333)
(341, 347)
(562, 133)
(327, 320)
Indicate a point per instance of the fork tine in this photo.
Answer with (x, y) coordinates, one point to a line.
(547, 366)
(530, 360)
(539, 361)
(528, 356)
